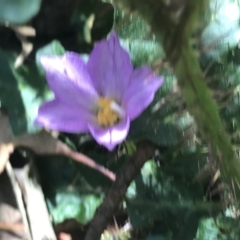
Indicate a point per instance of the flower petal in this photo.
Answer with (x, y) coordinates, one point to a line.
(68, 78)
(140, 92)
(110, 137)
(57, 116)
(110, 68)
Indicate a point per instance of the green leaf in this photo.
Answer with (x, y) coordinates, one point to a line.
(10, 95)
(143, 51)
(68, 194)
(34, 91)
(129, 26)
(22, 91)
(134, 35)
(54, 48)
(222, 228)
(18, 11)
(71, 204)
(160, 133)
(168, 200)
(163, 132)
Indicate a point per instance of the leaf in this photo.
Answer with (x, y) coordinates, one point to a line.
(167, 131)
(222, 228)
(130, 26)
(135, 37)
(160, 133)
(10, 95)
(18, 11)
(161, 196)
(74, 205)
(23, 90)
(143, 51)
(33, 85)
(34, 91)
(54, 48)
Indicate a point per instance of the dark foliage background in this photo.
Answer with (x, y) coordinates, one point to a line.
(185, 190)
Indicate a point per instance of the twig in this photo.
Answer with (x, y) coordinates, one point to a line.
(42, 143)
(79, 157)
(51, 145)
(144, 151)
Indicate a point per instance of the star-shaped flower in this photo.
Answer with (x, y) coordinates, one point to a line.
(101, 96)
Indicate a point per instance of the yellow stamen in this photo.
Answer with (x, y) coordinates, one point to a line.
(106, 116)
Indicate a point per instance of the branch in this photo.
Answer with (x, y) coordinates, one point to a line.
(50, 145)
(42, 143)
(79, 157)
(144, 152)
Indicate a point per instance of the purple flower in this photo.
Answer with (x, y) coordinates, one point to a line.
(101, 96)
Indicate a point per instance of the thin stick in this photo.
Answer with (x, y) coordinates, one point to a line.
(79, 157)
(50, 145)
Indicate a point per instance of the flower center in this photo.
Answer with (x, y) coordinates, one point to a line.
(109, 112)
